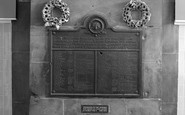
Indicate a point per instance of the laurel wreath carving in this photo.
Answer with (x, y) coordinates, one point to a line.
(136, 5)
(55, 21)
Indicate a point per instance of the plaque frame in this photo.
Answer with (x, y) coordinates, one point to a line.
(138, 94)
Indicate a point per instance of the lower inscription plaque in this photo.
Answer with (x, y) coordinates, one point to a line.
(94, 108)
(107, 64)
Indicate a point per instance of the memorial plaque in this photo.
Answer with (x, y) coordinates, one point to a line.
(95, 61)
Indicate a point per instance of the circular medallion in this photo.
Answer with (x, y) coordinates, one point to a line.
(96, 25)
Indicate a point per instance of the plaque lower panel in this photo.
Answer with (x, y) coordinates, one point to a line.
(73, 72)
(118, 72)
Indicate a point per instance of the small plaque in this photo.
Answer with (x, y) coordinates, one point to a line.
(94, 108)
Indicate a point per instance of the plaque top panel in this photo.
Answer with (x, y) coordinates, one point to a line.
(83, 39)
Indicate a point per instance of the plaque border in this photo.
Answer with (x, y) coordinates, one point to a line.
(81, 95)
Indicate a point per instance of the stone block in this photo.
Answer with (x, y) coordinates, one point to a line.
(39, 31)
(169, 109)
(152, 79)
(36, 12)
(152, 45)
(46, 106)
(170, 75)
(40, 78)
(170, 32)
(143, 107)
(39, 51)
(73, 106)
(156, 13)
(169, 89)
(39, 45)
(170, 38)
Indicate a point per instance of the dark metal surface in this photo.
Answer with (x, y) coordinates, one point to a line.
(118, 72)
(73, 71)
(84, 40)
(107, 64)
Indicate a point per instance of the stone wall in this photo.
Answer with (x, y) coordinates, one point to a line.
(159, 60)
(169, 59)
(5, 68)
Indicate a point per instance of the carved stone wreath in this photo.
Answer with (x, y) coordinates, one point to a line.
(136, 5)
(55, 21)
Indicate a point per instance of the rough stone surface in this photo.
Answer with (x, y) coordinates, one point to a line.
(73, 107)
(39, 82)
(170, 41)
(116, 106)
(169, 87)
(169, 109)
(152, 80)
(46, 106)
(39, 42)
(152, 45)
(143, 107)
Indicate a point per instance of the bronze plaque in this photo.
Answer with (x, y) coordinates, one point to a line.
(94, 108)
(106, 64)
